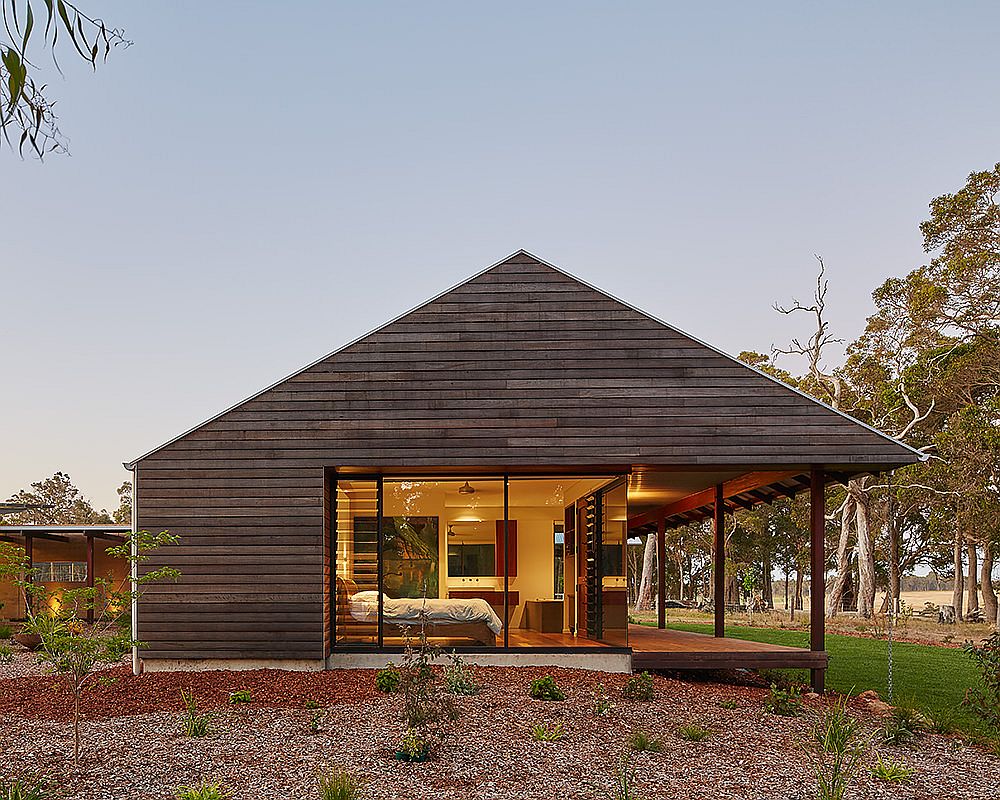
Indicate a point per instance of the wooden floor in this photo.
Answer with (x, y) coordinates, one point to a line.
(653, 648)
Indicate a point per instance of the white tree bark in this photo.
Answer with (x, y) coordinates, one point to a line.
(866, 559)
(644, 602)
(959, 585)
(836, 592)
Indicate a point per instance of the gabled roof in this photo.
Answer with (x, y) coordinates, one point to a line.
(525, 364)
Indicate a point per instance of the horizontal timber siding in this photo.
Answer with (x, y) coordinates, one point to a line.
(522, 366)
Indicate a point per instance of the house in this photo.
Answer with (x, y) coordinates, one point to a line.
(480, 462)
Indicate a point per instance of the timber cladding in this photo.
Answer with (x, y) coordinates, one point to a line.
(521, 366)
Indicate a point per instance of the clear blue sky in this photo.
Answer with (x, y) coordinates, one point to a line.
(253, 184)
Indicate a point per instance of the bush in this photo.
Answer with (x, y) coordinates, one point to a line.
(204, 791)
(24, 789)
(602, 701)
(905, 723)
(195, 724)
(387, 680)
(693, 732)
(338, 784)
(427, 704)
(413, 747)
(6, 631)
(783, 702)
(728, 704)
(639, 687)
(835, 752)
(984, 700)
(891, 771)
(942, 720)
(543, 733)
(6, 654)
(642, 742)
(546, 688)
(459, 678)
(242, 696)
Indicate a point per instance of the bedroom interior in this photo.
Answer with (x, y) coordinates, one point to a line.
(443, 556)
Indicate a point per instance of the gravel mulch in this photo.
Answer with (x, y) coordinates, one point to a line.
(265, 750)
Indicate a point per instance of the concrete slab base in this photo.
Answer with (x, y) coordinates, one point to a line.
(205, 664)
(596, 662)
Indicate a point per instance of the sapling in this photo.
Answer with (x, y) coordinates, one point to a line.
(69, 647)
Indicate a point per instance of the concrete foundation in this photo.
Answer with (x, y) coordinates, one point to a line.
(596, 662)
(205, 664)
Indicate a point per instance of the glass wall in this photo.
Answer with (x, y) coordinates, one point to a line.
(438, 551)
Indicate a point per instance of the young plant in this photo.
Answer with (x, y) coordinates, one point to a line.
(624, 780)
(24, 789)
(241, 696)
(204, 791)
(891, 771)
(639, 687)
(459, 678)
(428, 706)
(693, 732)
(68, 647)
(413, 747)
(984, 700)
(728, 704)
(6, 631)
(835, 750)
(602, 701)
(544, 733)
(338, 784)
(315, 721)
(546, 688)
(6, 654)
(905, 723)
(942, 721)
(387, 679)
(783, 702)
(196, 725)
(642, 742)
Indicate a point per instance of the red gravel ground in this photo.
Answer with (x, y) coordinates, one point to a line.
(134, 748)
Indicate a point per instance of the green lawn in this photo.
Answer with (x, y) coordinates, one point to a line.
(933, 679)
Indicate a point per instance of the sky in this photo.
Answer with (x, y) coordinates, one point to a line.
(252, 185)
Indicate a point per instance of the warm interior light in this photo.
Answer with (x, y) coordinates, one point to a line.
(466, 489)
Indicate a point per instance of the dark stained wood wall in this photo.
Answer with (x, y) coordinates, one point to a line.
(522, 365)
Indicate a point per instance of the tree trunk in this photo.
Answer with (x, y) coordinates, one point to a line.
(644, 601)
(959, 584)
(836, 595)
(986, 581)
(768, 585)
(972, 584)
(866, 560)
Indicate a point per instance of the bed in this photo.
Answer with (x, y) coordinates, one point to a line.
(471, 618)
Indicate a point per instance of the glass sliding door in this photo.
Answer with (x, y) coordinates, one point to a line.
(442, 545)
(356, 555)
(614, 544)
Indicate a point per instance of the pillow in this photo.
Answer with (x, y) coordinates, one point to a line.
(369, 596)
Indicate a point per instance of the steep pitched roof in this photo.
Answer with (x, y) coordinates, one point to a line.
(524, 364)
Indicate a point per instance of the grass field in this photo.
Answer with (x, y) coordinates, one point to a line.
(932, 679)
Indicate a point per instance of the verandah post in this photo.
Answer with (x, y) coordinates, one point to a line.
(817, 571)
(719, 529)
(661, 573)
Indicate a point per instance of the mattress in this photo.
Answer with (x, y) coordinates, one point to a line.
(364, 608)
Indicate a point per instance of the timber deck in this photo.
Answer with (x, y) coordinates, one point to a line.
(656, 648)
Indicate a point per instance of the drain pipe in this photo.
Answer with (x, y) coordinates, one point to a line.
(134, 576)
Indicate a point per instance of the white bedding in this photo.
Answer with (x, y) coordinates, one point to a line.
(364, 608)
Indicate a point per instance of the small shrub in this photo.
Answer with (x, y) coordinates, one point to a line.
(783, 702)
(642, 742)
(902, 726)
(6, 631)
(891, 771)
(204, 791)
(693, 732)
(24, 789)
(459, 678)
(728, 704)
(639, 687)
(942, 721)
(241, 696)
(413, 747)
(338, 784)
(6, 654)
(544, 733)
(623, 787)
(984, 700)
(546, 688)
(195, 725)
(602, 701)
(835, 751)
(785, 678)
(315, 720)
(387, 680)
(311, 704)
